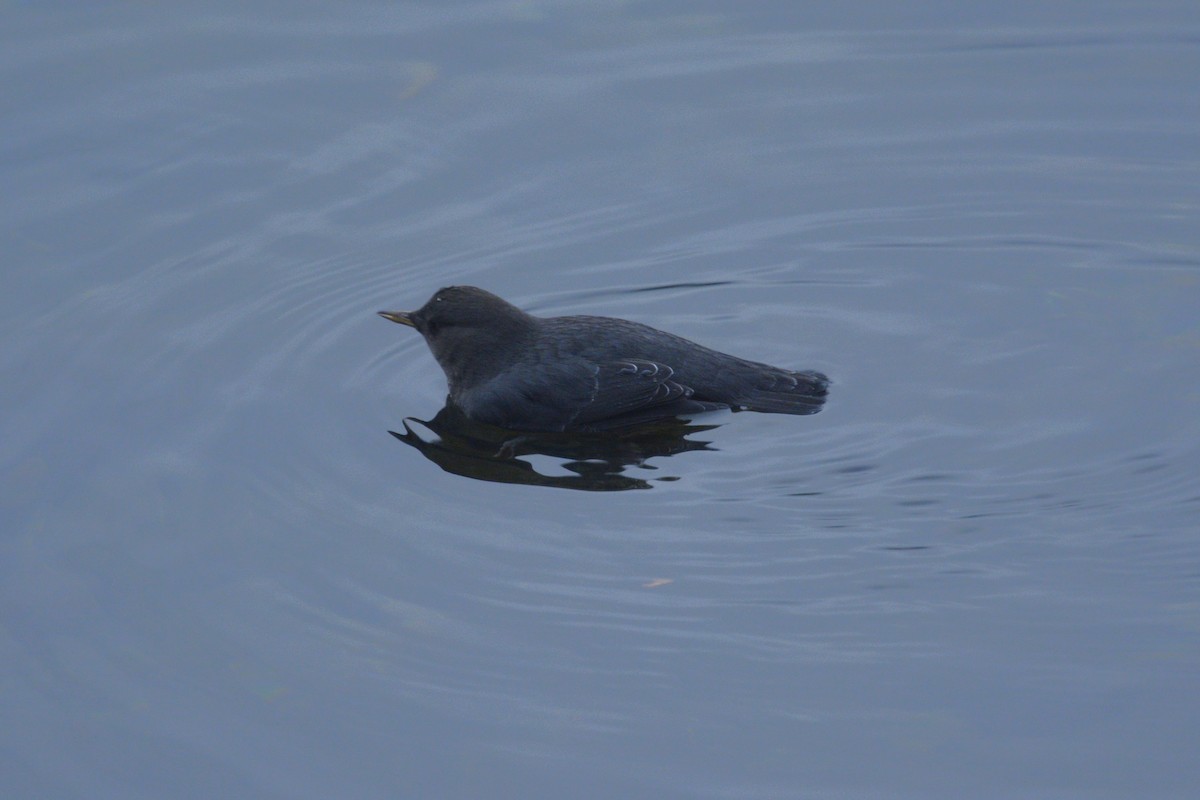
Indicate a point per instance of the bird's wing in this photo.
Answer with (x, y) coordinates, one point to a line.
(573, 392)
(623, 387)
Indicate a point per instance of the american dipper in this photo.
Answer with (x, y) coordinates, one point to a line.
(514, 370)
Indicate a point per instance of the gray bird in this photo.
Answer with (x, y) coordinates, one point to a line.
(513, 370)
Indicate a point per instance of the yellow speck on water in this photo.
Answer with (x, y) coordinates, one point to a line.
(275, 693)
(657, 582)
(420, 75)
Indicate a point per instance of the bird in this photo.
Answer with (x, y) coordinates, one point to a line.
(513, 370)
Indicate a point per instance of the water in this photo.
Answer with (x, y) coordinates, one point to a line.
(975, 573)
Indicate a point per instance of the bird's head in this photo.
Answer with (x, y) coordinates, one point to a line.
(469, 331)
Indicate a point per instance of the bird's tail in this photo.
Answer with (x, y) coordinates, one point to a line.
(785, 392)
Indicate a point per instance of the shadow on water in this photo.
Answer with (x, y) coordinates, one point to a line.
(596, 461)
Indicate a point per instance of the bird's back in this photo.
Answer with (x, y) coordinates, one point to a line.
(712, 376)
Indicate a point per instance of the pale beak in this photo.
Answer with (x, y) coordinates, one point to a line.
(403, 317)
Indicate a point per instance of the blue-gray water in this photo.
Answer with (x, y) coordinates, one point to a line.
(975, 574)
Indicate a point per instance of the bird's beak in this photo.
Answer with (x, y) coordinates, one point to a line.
(403, 317)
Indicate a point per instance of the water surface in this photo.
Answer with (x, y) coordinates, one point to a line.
(974, 573)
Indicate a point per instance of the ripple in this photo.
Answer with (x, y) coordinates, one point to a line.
(212, 530)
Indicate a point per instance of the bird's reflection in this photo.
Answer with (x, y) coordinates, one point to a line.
(596, 461)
